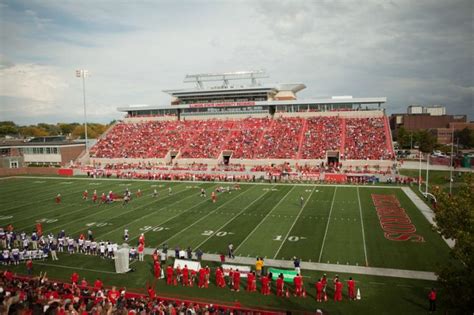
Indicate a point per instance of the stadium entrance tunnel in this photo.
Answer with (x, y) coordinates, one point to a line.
(333, 157)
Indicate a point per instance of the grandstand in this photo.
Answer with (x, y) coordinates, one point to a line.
(253, 125)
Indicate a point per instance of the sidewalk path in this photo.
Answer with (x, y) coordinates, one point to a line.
(424, 209)
(288, 264)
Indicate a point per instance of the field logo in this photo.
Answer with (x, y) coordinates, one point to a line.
(393, 219)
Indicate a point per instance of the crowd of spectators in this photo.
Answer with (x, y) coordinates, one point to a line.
(251, 138)
(281, 139)
(322, 134)
(365, 139)
(40, 295)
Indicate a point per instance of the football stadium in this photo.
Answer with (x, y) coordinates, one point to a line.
(236, 198)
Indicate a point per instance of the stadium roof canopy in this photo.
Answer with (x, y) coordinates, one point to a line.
(322, 101)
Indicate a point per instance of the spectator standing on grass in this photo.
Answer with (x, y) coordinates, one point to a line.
(199, 254)
(230, 249)
(53, 247)
(29, 266)
(432, 300)
(189, 253)
(296, 263)
(259, 266)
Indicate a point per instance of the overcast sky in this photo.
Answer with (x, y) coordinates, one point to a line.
(412, 52)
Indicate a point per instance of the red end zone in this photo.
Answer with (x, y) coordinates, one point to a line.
(393, 219)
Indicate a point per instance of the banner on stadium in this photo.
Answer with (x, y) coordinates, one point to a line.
(223, 104)
(65, 172)
(192, 265)
(244, 270)
(339, 178)
(288, 275)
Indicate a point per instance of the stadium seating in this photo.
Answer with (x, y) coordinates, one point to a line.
(322, 134)
(365, 139)
(252, 138)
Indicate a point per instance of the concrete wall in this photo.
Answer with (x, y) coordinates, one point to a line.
(28, 171)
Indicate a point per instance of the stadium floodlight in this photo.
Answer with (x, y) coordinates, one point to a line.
(81, 73)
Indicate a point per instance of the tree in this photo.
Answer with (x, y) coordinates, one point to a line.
(466, 137)
(426, 141)
(33, 131)
(454, 217)
(8, 128)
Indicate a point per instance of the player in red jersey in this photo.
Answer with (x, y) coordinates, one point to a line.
(265, 285)
(141, 239)
(157, 269)
(58, 198)
(202, 277)
(169, 275)
(151, 291)
(338, 290)
(185, 273)
(319, 291)
(351, 288)
(94, 196)
(213, 197)
(236, 277)
(298, 282)
(85, 195)
(324, 281)
(280, 285)
(103, 198)
(220, 282)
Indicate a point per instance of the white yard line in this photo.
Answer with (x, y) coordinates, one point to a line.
(268, 214)
(106, 208)
(196, 222)
(294, 222)
(363, 231)
(232, 219)
(327, 225)
(176, 215)
(152, 213)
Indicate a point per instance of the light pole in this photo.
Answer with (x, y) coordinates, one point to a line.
(81, 73)
(451, 168)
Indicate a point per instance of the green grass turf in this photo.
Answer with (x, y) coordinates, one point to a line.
(380, 295)
(260, 220)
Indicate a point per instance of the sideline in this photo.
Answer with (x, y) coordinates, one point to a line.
(390, 186)
(371, 271)
(425, 210)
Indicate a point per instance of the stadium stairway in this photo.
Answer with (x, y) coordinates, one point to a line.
(343, 136)
(302, 135)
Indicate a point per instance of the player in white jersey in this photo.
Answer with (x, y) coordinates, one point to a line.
(155, 193)
(94, 248)
(102, 250)
(80, 243)
(70, 245)
(6, 257)
(110, 250)
(61, 244)
(133, 253)
(16, 256)
(125, 235)
(87, 245)
(26, 243)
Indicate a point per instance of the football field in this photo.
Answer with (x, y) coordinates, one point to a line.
(318, 223)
